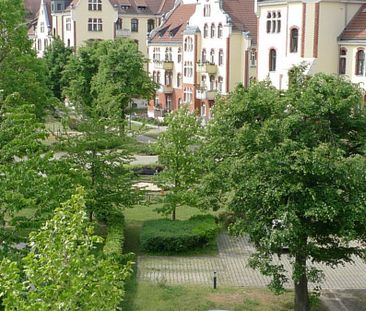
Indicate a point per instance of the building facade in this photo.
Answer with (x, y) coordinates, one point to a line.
(212, 50)
(311, 32)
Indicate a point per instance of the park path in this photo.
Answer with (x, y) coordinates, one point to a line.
(231, 266)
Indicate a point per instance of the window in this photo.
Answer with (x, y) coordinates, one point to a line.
(168, 54)
(212, 56)
(188, 69)
(95, 5)
(220, 83)
(68, 43)
(158, 77)
(156, 54)
(95, 24)
(150, 25)
(134, 25)
(179, 80)
(39, 44)
(119, 24)
(294, 40)
(59, 6)
(207, 10)
(187, 95)
(188, 44)
(342, 61)
(360, 62)
(45, 43)
(168, 103)
(154, 76)
(219, 31)
(273, 22)
(272, 60)
(221, 57)
(156, 101)
(212, 82)
(205, 31)
(179, 55)
(179, 102)
(203, 82)
(204, 56)
(253, 58)
(68, 24)
(168, 78)
(212, 30)
(41, 27)
(203, 110)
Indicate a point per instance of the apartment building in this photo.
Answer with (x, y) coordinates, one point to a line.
(326, 35)
(78, 21)
(210, 48)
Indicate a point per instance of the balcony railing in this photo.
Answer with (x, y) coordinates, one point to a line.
(167, 89)
(123, 33)
(204, 94)
(207, 68)
(168, 65)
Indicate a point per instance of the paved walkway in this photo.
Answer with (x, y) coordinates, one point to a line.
(232, 270)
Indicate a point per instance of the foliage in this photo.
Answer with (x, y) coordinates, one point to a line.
(113, 245)
(60, 271)
(295, 166)
(177, 149)
(56, 58)
(166, 236)
(20, 70)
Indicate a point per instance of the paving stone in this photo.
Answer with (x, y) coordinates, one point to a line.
(231, 266)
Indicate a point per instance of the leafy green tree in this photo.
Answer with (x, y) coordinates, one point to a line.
(177, 149)
(61, 272)
(121, 76)
(56, 58)
(295, 164)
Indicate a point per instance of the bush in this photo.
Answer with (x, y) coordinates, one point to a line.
(113, 245)
(167, 236)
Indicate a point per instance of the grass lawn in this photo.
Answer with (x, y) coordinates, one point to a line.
(146, 296)
(136, 216)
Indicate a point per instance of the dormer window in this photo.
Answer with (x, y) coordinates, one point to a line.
(125, 7)
(141, 8)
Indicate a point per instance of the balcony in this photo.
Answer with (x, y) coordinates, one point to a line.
(168, 65)
(123, 33)
(205, 95)
(167, 89)
(206, 68)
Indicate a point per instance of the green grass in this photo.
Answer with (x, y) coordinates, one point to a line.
(136, 216)
(146, 296)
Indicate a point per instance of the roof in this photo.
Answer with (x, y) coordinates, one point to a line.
(172, 29)
(242, 15)
(31, 8)
(356, 28)
(133, 7)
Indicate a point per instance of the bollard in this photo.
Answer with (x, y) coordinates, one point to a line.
(214, 280)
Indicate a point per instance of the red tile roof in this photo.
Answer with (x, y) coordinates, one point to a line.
(242, 15)
(173, 27)
(356, 28)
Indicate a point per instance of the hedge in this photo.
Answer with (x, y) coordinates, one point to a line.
(113, 245)
(167, 236)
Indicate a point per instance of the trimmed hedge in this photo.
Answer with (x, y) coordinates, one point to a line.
(167, 236)
(113, 245)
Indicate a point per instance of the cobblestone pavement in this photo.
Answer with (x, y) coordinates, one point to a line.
(232, 270)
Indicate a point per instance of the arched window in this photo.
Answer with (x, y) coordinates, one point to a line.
(272, 59)
(269, 16)
(179, 79)
(212, 82)
(154, 76)
(188, 44)
(360, 62)
(158, 77)
(204, 56)
(134, 25)
(342, 61)
(212, 56)
(119, 24)
(45, 44)
(294, 40)
(205, 31)
(150, 25)
(221, 57)
(220, 84)
(168, 54)
(212, 30)
(168, 78)
(219, 31)
(179, 55)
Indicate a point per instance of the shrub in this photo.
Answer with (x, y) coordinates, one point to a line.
(113, 245)
(167, 236)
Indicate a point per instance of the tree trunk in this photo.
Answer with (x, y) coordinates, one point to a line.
(301, 286)
(173, 213)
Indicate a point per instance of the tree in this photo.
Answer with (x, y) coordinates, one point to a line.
(121, 76)
(56, 58)
(61, 271)
(295, 178)
(177, 150)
